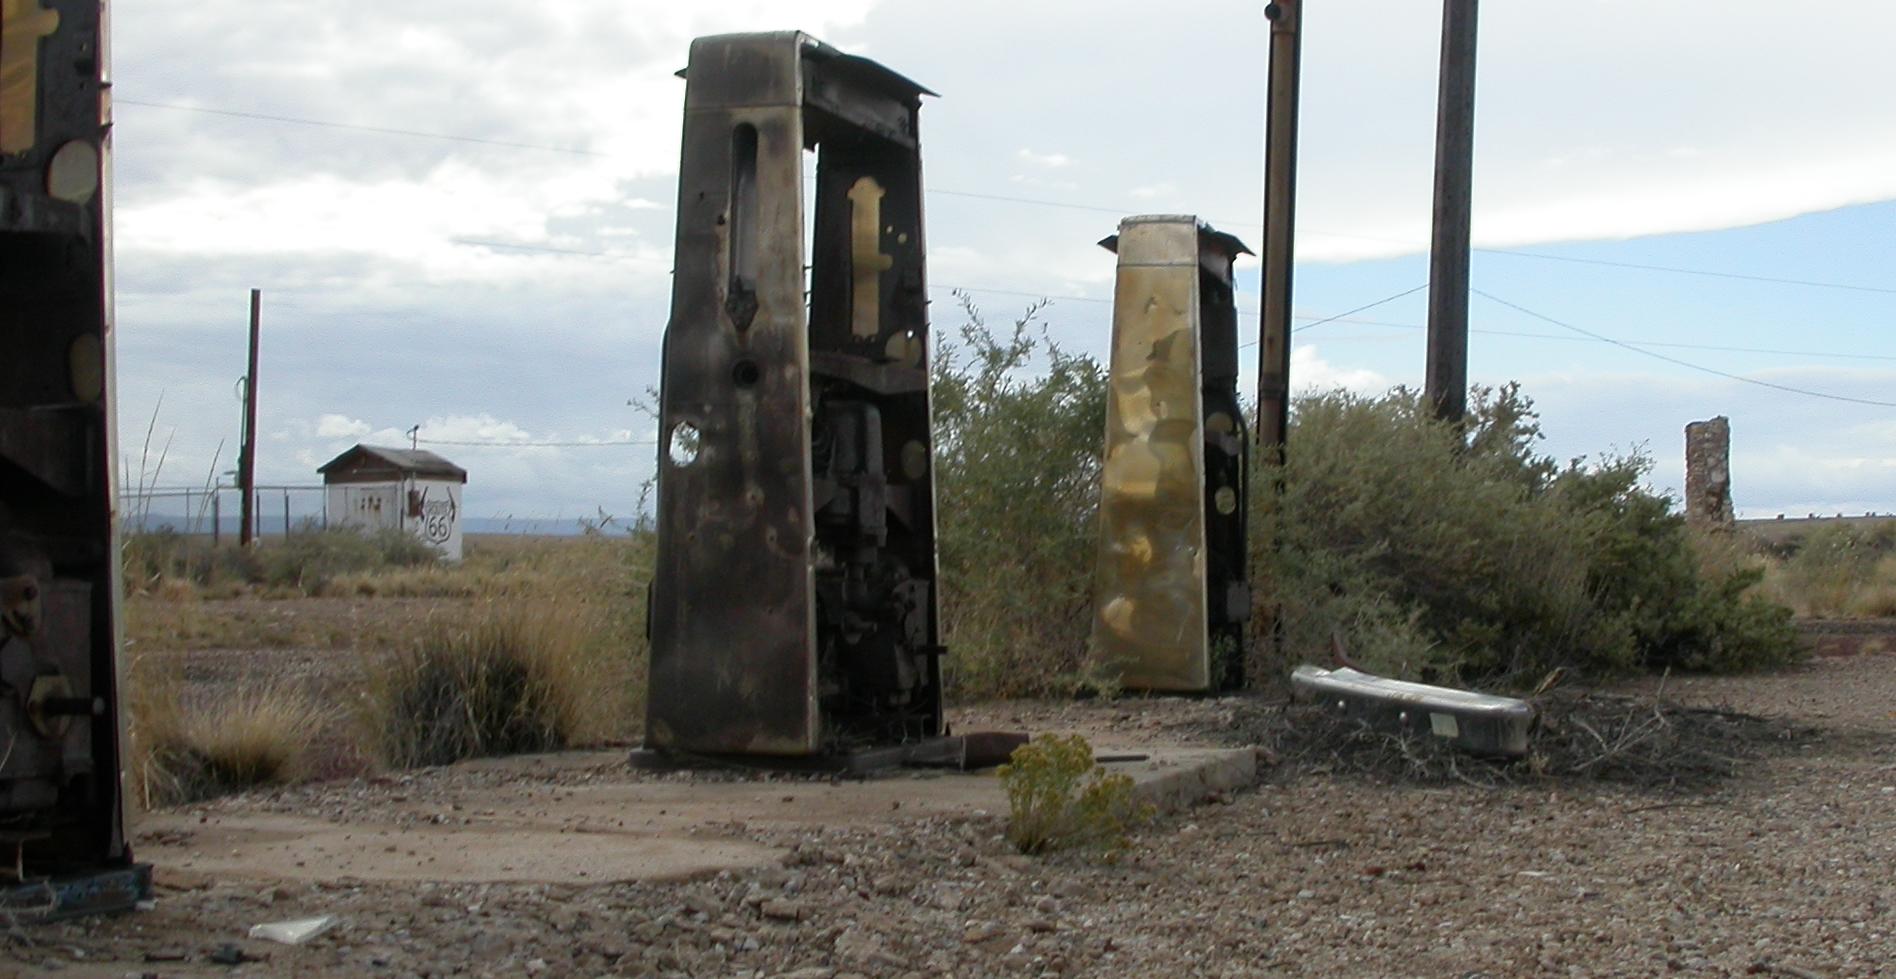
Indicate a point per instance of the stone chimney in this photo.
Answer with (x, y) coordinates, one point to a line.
(1708, 473)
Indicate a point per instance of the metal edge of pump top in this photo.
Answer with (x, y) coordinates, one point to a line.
(793, 606)
(1171, 594)
(63, 849)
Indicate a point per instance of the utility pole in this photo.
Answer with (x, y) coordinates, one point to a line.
(247, 454)
(1280, 205)
(1446, 383)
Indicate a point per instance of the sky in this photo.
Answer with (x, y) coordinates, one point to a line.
(469, 226)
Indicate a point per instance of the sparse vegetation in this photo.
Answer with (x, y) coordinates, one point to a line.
(1057, 798)
(536, 643)
(305, 562)
(1840, 570)
(512, 677)
(251, 735)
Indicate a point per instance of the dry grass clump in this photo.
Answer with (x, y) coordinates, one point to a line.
(254, 734)
(511, 677)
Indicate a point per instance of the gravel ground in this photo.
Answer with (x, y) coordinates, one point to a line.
(1786, 870)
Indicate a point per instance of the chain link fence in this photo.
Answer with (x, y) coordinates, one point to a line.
(217, 511)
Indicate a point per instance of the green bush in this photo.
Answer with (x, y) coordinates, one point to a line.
(309, 558)
(1457, 555)
(1019, 425)
(1057, 798)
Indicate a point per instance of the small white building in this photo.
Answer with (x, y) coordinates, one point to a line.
(377, 488)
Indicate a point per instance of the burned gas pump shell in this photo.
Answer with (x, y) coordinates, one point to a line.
(793, 609)
(1171, 594)
(62, 811)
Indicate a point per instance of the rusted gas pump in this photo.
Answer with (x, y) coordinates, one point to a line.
(793, 609)
(1171, 595)
(62, 810)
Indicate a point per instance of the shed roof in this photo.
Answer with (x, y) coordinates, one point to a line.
(412, 462)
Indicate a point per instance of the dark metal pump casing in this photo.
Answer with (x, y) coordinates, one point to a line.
(61, 795)
(793, 609)
(1171, 593)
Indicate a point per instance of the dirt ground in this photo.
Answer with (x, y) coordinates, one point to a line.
(1785, 870)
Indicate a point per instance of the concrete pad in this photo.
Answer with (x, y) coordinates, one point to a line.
(613, 830)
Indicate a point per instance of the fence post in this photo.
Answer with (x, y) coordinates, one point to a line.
(217, 517)
(286, 513)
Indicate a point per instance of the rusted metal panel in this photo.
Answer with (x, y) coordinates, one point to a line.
(793, 609)
(61, 792)
(1170, 589)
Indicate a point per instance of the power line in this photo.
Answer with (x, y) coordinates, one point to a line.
(1806, 392)
(1368, 306)
(353, 127)
(1685, 271)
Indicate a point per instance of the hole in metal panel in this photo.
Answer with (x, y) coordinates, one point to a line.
(746, 373)
(681, 445)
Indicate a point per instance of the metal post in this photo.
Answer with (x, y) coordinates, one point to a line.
(217, 518)
(1446, 384)
(247, 455)
(286, 513)
(1280, 205)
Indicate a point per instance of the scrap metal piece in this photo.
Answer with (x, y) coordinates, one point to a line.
(73, 895)
(1171, 596)
(793, 609)
(1480, 723)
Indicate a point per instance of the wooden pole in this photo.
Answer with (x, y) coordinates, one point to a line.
(1446, 382)
(1280, 206)
(247, 455)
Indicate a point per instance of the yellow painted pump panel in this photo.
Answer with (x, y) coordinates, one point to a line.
(1170, 592)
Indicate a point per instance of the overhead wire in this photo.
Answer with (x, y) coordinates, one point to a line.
(1806, 392)
(577, 444)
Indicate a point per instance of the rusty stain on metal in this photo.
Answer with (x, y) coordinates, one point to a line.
(793, 611)
(865, 256)
(1170, 594)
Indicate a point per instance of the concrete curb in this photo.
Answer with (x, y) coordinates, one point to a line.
(1185, 778)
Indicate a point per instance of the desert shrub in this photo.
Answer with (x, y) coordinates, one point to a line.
(1019, 427)
(309, 558)
(1057, 798)
(257, 733)
(1459, 554)
(164, 561)
(512, 677)
(1648, 578)
(1841, 569)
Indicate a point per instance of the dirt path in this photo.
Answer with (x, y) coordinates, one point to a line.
(1786, 871)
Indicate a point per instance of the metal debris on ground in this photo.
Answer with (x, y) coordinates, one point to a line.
(1476, 722)
(1642, 742)
(293, 932)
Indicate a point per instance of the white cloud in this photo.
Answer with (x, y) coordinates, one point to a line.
(1049, 161)
(340, 427)
(1311, 374)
